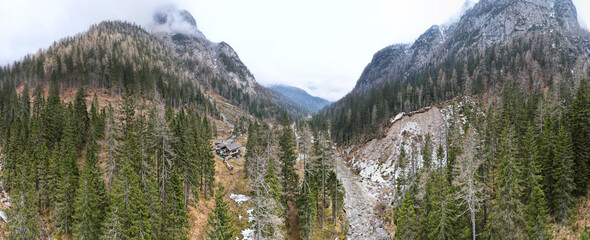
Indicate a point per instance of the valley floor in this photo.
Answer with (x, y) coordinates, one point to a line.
(359, 204)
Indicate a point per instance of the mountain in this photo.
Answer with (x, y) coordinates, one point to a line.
(153, 99)
(454, 119)
(300, 97)
(537, 43)
(216, 63)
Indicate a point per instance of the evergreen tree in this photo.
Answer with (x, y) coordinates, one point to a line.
(52, 117)
(67, 181)
(23, 216)
(219, 223)
(336, 192)
(253, 142)
(441, 217)
(287, 157)
(546, 143)
(507, 216)
(206, 158)
(537, 227)
(563, 173)
(113, 228)
(407, 222)
(175, 213)
(307, 204)
(271, 179)
(91, 199)
(580, 134)
(81, 119)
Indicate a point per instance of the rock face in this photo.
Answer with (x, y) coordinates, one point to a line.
(377, 161)
(492, 21)
(483, 24)
(378, 165)
(179, 28)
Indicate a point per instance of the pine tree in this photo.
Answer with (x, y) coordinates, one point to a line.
(580, 134)
(251, 145)
(91, 199)
(45, 175)
(206, 158)
(531, 165)
(307, 204)
(52, 117)
(219, 223)
(563, 173)
(537, 227)
(128, 197)
(175, 213)
(407, 222)
(533, 196)
(337, 193)
(23, 216)
(287, 157)
(67, 181)
(81, 120)
(546, 143)
(441, 218)
(507, 216)
(113, 228)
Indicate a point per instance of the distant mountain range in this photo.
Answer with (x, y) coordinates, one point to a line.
(299, 97)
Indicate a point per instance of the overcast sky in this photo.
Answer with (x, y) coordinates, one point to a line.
(320, 46)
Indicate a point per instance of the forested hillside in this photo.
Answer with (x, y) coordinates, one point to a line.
(108, 135)
(468, 58)
(508, 82)
(513, 171)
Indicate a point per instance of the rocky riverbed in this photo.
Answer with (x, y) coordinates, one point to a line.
(359, 204)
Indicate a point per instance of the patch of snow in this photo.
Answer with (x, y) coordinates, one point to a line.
(3, 216)
(397, 117)
(239, 198)
(248, 234)
(300, 157)
(250, 217)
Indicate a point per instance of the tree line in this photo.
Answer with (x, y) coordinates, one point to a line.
(509, 173)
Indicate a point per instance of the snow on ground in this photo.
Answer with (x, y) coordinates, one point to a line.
(239, 198)
(300, 157)
(397, 117)
(248, 233)
(3, 216)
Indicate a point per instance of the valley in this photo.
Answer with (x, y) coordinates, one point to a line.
(477, 129)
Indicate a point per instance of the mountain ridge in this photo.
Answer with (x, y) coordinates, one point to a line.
(537, 43)
(300, 97)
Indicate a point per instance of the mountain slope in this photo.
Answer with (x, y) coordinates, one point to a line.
(537, 43)
(216, 64)
(300, 97)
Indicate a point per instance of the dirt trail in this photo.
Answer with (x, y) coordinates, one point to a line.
(359, 206)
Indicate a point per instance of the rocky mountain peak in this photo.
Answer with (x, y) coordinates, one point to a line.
(492, 21)
(175, 21)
